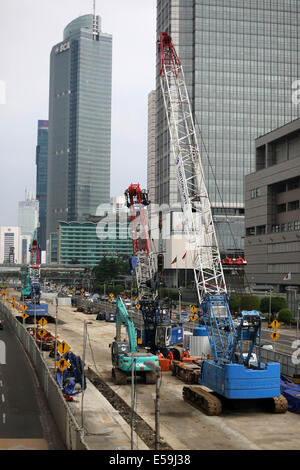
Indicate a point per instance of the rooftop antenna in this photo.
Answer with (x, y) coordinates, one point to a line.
(95, 29)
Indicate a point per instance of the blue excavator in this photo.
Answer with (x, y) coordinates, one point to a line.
(125, 354)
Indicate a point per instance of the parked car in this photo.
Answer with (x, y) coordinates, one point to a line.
(101, 316)
(110, 316)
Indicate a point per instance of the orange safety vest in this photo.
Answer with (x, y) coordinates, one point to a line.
(185, 354)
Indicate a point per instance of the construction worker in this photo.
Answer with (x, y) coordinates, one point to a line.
(186, 353)
(159, 354)
(170, 355)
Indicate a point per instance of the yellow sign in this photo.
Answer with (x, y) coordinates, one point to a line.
(24, 308)
(138, 306)
(62, 364)
(137, 299)
(193, 317)
(42, 321)
(274, 336)
(111, 295)
(111, 300)
(82, 290)
(42, 333)
(82, 294)
(25, 315)
(63, 348)
(193, 309)
(275, 324)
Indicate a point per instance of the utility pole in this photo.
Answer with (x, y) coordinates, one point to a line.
(83, 363)
(132, 398)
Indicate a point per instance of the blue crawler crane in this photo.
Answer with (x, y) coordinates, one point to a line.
(229, 373)
(125, 354)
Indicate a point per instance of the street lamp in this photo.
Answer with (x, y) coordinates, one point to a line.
(156, 369)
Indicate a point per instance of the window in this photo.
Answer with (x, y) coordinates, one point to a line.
(250, 231)
(293, 205)
(260, 230)
(293, 184)
(255, 193)
(275, 228)
(281, 208)
(297, 225)
(290, 226)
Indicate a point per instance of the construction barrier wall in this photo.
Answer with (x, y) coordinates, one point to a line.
(67, 425)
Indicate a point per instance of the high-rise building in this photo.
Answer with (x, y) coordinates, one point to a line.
(9, 244)
(28, 214)
(151, 144)
(79, 123)
(240, 60)
(41, 180)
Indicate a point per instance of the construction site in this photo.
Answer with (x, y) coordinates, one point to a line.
(138, 373)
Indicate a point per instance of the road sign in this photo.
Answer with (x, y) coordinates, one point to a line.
(25, 315)
(274, 336)
(63, 364)
(193, 317)
(275, 324)
(137, 299)
(42, 321)
(82, 290)
(111, 295)
(111, 300)
(63, 348)
(193, 309)
(24, 308)
(42, 333)
(138, 306)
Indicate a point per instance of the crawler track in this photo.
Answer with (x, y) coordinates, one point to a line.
(205, 401)
(280, 404)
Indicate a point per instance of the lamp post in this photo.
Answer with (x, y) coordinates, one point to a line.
(179, 292)
(156, 369)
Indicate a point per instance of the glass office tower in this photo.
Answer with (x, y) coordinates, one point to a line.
(41, 180)
(79, 123)
(240, 59)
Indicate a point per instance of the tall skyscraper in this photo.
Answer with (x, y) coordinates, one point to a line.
(151, 144)
(240, 59)
(79, 123)
(41, 180)
(28, 214)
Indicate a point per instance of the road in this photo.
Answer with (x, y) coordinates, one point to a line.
(284, 342)
(25, 420)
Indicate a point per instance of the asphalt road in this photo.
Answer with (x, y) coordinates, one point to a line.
(25, 420)
(283, 343)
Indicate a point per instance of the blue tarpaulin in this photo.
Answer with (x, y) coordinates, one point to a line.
(291, 392)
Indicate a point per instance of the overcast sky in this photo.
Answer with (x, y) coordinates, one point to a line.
(28, 30)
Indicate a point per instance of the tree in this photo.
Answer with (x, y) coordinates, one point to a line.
(285, 315)
(235, 303)
(110, 268)
(277, 303)
(250, 302)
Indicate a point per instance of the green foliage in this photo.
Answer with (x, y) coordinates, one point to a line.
(250, 302)
(277, 303)
(110, 268)
(284, 315)
(235, 303)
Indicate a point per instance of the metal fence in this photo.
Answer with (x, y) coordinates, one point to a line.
(68, 427)
(286, 365)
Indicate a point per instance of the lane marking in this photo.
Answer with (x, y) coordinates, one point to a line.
(3, 398)
(4, 418)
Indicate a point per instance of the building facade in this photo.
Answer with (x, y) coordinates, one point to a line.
(9, 244)
(41, 179)
(28, 214)
(88, 242)
(272, 216)
(240, 61)
(151, 145)
(79, 123)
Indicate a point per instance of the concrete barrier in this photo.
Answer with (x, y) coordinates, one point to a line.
(69, 429)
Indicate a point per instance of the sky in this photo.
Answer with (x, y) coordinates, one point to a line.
(28, 31)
